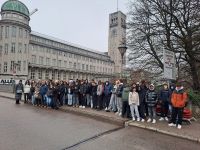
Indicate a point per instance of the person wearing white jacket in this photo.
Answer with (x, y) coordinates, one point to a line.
(134, 103)
(27, 88)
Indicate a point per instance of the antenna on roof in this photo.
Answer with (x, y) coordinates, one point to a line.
(34, 11)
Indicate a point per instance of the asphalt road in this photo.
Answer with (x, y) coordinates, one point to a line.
(24, 127)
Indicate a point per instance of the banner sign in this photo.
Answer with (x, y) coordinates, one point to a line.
(169, 64)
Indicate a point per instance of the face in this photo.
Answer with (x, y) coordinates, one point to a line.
(165, 87)
(134, 89)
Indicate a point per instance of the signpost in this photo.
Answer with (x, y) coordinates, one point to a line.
(169, 64)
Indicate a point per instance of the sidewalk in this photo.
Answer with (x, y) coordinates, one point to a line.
(189, 132)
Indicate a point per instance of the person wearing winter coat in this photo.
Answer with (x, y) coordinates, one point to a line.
(88, 93)
(107, 95)
(151, 100)
(43, 91)
(82, 95)
(178, 100)
(94, 94)
(19, 89)
(134, 102)
(70, 93)
(119, 97)
(27, 87)
(100, 89)
(143, 109)
(113, 99)
(125, 105)
(76, 94)
(61, 93)
(164, 98)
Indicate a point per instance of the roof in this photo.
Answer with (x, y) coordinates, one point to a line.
(15, 5)
(67, 43)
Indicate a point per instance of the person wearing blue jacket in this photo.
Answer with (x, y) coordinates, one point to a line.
(43, 91)
(107, 94)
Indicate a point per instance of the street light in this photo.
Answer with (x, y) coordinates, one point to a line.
(122, 49)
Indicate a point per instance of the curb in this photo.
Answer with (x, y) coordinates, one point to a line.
(130, 123)
(79, 112)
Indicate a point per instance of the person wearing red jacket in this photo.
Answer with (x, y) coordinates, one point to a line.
(178, 100)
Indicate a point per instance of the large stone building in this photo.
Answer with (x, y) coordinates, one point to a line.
(25, 54)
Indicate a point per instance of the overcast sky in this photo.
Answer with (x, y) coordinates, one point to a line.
(83, 22)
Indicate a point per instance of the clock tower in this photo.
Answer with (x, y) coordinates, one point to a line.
(117, 36)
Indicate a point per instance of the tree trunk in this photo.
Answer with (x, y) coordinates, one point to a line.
(194, 73)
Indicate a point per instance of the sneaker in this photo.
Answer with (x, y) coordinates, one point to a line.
(166, 119)
(142, 120)
(138, 119)
(117, 113)
(149, 120)
(133, 119)
(179, 126)
(80, 106)
(83, 107)
(120, 114)
(161, 119)
(106, 109)
(171, 125)
(154, 121)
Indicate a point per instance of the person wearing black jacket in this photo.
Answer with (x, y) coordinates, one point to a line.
(82, 95)
(61, 93)
(94, 94)
(76, 94)
(119, 97)
(142, 89)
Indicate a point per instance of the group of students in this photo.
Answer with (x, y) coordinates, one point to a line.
(136, 100)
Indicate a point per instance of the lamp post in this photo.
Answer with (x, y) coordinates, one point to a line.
(122, 49)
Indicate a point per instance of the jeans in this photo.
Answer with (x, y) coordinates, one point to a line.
(26, 97)
(100, 101)
(113, 103)
(152, 112)
(164, 108)
(33, 99)
(70, 99)
(134, 111)
(119, 104)
(75, 99)
(106, 100)
(88, 99)
(49, 101)
(142, 110)
(177, 112)
(125, 109)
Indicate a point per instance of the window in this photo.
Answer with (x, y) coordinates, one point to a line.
(1, 49)
(47, 61)
(64, 76)
(12, 65)
(87, 67)
(83, 67)
(0, 68)
(47, 74)
(78, 66)
(33, 59)
(6, 49)
(24, 66)
(32, 73)
(41, 60)
(26, 34)
(5, 67)
(53, 75)
(40, 74)
(70, 55)
(74, 65)
(65, 64)
(54, 62)
(20, 32)
(7, 32)
(59, 63)
(1, 33)
(13, 48)
(20, 47)
(70, 64)
(14, 31)
(58, 75)
(19, 66)
(25, 48)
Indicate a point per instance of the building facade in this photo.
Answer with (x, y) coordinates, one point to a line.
(117, 36)
(25, 54)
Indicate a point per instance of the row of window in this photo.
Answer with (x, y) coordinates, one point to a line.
(14, 16)
(54, 75)
(14, 66)
(12, 48)
(62, 45)
(12, 31)
(69, 64)
(65, 54)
